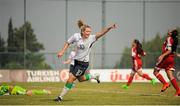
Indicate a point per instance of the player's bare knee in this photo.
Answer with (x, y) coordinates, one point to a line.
(132, 73)
(140, 74)
(155, 72)
(170, 74)
(81, 79)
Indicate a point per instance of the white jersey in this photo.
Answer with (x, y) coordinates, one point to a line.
(83, 46)
(71, 57)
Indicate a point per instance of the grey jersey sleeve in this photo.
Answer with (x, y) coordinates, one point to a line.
(93, 37)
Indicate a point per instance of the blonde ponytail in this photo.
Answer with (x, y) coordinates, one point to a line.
(80, 23)
(82, 26)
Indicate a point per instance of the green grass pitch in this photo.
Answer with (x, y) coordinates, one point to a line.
(87, 93)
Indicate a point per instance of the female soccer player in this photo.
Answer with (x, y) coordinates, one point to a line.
(83, 41)
(70, 61)
(17, 90)
(166, 61)
(137, 52)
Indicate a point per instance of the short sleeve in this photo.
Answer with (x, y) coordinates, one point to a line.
(169, 43)
(133, 52)
(71, 39)
(93, 38)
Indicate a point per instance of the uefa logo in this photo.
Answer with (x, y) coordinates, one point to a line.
(64, 75)
(178, 75)
(1, 75)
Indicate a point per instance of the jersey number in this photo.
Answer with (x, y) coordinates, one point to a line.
(79, 73)
(82, 47)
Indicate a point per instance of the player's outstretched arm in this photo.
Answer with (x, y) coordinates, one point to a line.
(60, 53)
(68, 61)
(161, 57)
(105, 30)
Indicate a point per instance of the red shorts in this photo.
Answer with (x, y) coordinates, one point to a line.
(137, 64)
(167, 64)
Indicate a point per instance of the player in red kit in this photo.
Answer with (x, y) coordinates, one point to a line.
(137, 52)
(166, 61)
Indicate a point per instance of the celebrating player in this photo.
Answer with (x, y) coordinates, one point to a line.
(166, 61)
(83, 41)
(137, 53)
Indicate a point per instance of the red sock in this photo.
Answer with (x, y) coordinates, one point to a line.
(174, 83)
(160, 78)
(146, 77)
(129, 80)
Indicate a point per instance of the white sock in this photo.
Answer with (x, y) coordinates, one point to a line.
(92, 76)
(64, 92)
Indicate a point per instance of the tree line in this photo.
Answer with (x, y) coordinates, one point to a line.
(22, 50)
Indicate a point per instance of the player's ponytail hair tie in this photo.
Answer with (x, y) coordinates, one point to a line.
(174, 33)
(82, 26)
(80, 23)
(139, 47)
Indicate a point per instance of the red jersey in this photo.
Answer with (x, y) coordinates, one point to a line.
(168, 62)
(136, 59)
(167, 45)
